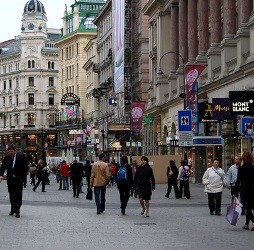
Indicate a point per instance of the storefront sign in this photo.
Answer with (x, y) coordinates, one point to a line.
(247, 126)
(206, 112)
(221, 109)
(207, 141)
(241, 102)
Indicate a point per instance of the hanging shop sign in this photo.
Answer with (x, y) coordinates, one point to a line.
(241, 102)
(247, 126)
(221, 109)
(70, 99)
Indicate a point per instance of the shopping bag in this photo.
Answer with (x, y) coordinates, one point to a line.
(232, 214)
(89, 194)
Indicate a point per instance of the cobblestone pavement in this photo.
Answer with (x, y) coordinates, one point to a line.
(55, 220)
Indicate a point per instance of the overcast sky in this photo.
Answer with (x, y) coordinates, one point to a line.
(11, 12)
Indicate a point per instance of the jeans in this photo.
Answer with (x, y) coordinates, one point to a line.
(99, 196)
(65, 182)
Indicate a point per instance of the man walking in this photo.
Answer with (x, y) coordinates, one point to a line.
(76, 171)
(17, 167)
(100, 177)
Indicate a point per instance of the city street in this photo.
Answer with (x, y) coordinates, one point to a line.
(56, 220)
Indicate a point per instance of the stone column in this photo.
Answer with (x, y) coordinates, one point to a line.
(203, 30)
(214, 53)
(174, 34)
(183, 29)
(192, 30)
(243, 33)
(228, 44)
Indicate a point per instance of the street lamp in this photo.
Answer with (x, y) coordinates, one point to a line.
(160, 72)
(183, 94)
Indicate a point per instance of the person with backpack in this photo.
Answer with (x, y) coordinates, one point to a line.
(183, 176)
(124, 182)
(144, 184)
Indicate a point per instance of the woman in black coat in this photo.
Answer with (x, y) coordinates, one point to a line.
(144, 184)
(172, 174)
(245, 185)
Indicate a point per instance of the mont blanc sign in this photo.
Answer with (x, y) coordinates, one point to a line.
(241, 102)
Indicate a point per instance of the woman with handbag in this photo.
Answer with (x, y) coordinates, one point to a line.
(214, 179)
(172, 174)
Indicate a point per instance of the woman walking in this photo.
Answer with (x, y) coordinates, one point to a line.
(214, 179)
(144, 184)
(245, 185)
(172, 174)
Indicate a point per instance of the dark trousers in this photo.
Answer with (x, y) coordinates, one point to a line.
(214, 202)
(32, 177)
(41, 180)
(172, 182)
(184, 185)
(124, 197)
(76, 186)
(15, 189)
(88, 182)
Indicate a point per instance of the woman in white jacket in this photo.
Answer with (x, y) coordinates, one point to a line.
(214, 179)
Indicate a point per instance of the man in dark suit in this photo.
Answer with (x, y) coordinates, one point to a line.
(17, 167)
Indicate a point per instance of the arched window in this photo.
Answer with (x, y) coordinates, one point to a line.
(33, 64)
(48, 65)
(53, 65)
(29, 64)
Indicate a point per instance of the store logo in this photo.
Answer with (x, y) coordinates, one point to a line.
(241, 106)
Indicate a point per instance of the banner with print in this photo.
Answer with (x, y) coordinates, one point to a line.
(137, 113)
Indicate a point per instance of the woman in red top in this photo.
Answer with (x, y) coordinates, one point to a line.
(64, 170)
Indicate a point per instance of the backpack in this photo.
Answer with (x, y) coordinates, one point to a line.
(185, 173)
(122, 173)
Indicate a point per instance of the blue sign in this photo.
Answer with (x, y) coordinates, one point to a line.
(112, 101)
(184, 120)
(247, 126)
(207, 140)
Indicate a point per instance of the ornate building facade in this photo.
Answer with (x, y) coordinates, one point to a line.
(28, 86)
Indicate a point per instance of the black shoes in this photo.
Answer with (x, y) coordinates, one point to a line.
(17, 215)
(11, 213)
(123, 211)
(34, 189)
(98, 212)
(167, 196)
(218, 213)
(44, 191)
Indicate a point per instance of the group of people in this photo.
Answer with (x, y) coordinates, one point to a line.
(142, 183)
(239, 179)
(180, 175)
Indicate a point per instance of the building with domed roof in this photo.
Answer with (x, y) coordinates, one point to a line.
(28, 86)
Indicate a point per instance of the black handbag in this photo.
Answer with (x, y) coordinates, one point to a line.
(89, 194)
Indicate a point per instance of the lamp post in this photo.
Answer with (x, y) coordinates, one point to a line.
(183, 94)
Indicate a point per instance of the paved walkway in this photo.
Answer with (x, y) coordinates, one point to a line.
(55, 220)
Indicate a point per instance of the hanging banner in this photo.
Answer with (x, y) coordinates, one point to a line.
(137, 112)
(221, 109)
(192, 73)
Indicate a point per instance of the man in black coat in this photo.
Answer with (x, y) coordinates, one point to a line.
(76, 171)
(17, 168)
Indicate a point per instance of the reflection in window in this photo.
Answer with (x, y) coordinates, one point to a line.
(30, 118)
(31, 140)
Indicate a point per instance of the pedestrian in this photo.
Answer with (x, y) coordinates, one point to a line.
(124, 180)
(134, 167)
(42, 175)
(144, 184)
(64, 170)
(183, 177)
(32, 170)
(113, 170)
(245, 185)
(17, 168)
(214, 179)
(172, 174)
(100, 177)
(88, 169)
(232, 175)
(76, 172)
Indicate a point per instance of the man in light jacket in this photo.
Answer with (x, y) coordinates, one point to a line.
(100, 177)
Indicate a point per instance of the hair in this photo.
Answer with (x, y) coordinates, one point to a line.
(183, 162)
(144, 158)
(215, 159)
(172, 163)
(102, 155)
(124, 160)
(247, 157)
(87, 162)
(12, 147)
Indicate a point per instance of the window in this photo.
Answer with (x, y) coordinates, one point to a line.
(4, 85)
(29, 64)
(30, 118)
(3, 101)
(10, 84)
(52, 65)
(17, 82)
(51, 99)
(10, 101)
(51, 81)
(17, 100)
(30, 99)
(33, 64)
(30, 81)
